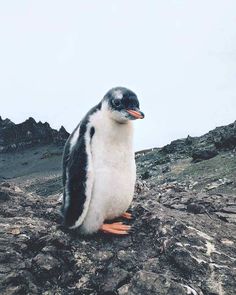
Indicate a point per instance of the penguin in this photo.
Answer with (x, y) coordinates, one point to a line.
(99, 170)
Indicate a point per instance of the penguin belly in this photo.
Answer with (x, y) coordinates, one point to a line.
(114, 180)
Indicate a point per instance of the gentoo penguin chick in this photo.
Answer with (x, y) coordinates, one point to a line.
(99, 169)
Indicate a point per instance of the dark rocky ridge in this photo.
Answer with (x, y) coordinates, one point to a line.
(183, 238)
(200, 148)
(15, 137)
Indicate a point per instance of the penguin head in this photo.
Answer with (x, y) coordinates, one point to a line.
(122, 105)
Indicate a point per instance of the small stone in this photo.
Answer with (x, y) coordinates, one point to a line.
(227, 242)
(146, 175)
(124, 290)
(150, 283)
(196, 208)
(82, 282)
(5, 184)
(183, 260)
(14, 290)
(15, 231)
(166, 169)
(114, 278)
(46, 262)
(152, 264)
(181, 207)
(127, 259)
(229, 209)
(103, 255)
(4, 196)
(140, 186)
(227, 217)
(48, 249)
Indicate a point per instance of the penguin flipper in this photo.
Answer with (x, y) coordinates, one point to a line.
(78, 185)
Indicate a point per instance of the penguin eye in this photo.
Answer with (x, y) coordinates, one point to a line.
(116, 102)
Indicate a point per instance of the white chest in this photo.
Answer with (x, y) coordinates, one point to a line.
(113, 167)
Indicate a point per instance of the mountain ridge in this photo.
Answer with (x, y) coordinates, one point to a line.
(33, 133)
(15, 137)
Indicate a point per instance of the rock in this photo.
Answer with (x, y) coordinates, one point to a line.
(225, 137)
(146, 175)
(5, 184)
(218, 183)
(196, 208)
(103, 255)
(141, 186)
(124, 289)
(229, 209)
(166, 169)
(46, 262)
(127, 259)
(151, 283)
(152, 264)
(4, 196)
(185, 262)
(204, 154)
(226, 217)
(114, 278)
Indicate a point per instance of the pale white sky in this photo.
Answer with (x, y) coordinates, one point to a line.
(58, 59)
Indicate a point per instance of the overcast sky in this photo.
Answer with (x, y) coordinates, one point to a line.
(58, 59)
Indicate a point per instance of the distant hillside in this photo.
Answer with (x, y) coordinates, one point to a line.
(15, 137)
(199, 148)
(32, 147)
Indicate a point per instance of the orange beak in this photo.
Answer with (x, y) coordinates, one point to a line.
(136, 114)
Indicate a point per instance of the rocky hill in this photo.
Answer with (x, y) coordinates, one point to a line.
(15, 137)
(183, 238)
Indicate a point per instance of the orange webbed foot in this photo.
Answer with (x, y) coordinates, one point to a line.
(117, 228)
(127, 215)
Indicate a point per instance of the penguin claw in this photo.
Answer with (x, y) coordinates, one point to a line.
(117, 228)
(127, 215)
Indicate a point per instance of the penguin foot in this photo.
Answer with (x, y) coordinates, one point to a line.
(117, 228)
(127, 215)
